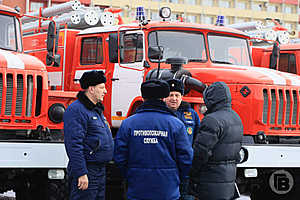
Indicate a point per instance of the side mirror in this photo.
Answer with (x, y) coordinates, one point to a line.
(155, 52)
(113, 47)
(52, 44)
(274, 56)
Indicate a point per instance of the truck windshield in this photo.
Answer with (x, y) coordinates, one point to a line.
(228, 50)
(10, 38)
(179, 44)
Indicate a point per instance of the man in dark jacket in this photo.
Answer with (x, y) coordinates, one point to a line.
(188, 116)
(216, 147)
(88, 139)
(152, 147)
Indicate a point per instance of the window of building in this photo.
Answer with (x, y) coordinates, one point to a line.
(154, 16)
(288, 9)
(224, 4)
(208, 20)
(226, 20)
(91, 51)
(256, 6)
(271, 8)
(191, 18)
(207, 2)
(240, 20)
(241, 5)
(191, 2)
(173, 1)
(35, 6)
(174, 16)
(288, 26)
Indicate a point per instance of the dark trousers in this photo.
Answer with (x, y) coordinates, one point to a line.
(96, 188)
(184, 190)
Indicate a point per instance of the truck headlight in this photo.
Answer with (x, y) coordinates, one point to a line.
(56, 112)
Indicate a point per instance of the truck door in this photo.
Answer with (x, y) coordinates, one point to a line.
(128, 77)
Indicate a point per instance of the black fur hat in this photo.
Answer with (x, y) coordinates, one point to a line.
(155, 89)
(92, 78)
(176, 85)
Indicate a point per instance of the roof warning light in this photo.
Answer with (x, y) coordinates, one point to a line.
(220, 20)
(140, 13)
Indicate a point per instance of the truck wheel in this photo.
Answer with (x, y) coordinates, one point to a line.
(280, 186)
(22, 191)
(57, 190)
(40, 187)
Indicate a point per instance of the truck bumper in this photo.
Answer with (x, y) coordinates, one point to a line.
(271, 156)
(32, 155)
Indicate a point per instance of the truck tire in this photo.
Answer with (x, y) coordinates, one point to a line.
(57, 190)
(40, 187)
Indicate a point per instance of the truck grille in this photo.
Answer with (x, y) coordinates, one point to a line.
(280, 106)
(20, 96)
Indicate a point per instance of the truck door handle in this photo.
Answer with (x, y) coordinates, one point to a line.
(115, 79)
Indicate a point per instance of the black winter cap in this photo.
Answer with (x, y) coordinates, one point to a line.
(155, 89)
(176, 85)
(92, 78)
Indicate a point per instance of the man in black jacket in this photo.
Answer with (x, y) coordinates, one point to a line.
(216, 147)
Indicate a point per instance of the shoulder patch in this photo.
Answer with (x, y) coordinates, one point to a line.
(188, 115)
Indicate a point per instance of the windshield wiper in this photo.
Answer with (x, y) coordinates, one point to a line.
(195, 60)
(222, 62)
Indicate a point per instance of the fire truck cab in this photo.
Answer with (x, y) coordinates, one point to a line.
(31, 158)
(266, 100)
(289, 57)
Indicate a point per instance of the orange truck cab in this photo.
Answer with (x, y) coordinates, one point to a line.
(288, 59)
(32, 155)
(266, 100)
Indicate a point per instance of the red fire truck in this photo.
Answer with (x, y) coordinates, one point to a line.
(32, 155)
(266, 100)
(288, 57)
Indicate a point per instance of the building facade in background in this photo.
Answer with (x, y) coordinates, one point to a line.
(198, 11)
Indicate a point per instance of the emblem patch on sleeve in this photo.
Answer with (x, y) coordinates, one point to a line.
(189, 130)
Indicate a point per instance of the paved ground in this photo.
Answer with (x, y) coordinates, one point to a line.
(11, 196)
(244, 198)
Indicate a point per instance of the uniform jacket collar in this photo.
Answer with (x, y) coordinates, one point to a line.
(154, 105)
(88, 103)
(184, 106)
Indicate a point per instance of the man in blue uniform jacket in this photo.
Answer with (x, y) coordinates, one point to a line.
(88, 139)
(188, 116)
(152, 147)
